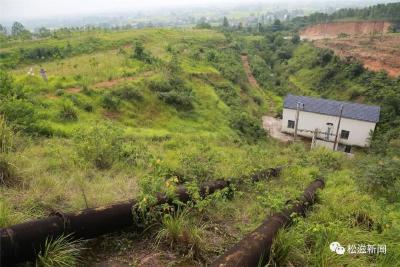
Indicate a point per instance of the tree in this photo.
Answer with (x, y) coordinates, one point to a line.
(138, 52)
(225, 23)
(44, 32)
(3, 30)
(18, 30)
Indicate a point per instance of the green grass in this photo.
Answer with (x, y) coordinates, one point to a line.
(79, 163)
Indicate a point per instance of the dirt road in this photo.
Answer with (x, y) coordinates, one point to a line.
(246, 66)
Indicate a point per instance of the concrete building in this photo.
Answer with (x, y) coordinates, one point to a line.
(319, 120)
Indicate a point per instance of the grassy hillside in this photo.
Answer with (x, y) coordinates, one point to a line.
(128, 114)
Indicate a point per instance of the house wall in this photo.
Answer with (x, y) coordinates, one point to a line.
(359, 130)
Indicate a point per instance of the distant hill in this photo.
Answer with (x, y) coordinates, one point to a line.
(382, 12)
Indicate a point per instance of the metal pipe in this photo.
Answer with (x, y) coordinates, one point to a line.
(22, 242)
(254, 249)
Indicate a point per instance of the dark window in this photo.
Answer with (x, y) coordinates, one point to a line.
(290, 124)
(344, 134)
(347, 149)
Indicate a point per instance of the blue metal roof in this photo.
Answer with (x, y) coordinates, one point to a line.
(332, 107)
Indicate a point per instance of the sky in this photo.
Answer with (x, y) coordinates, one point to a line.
(29, 9)
(14, 10)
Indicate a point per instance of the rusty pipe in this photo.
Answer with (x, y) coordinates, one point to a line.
(22, 242)
(254, 249)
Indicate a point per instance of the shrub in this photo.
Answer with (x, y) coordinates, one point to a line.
(59, 92)
(133, 154)
(179, 99)
(128, 92)
(227, 93)
(5, 83)
(246, 126)
(380, 176)
(139, 53)
(20, 114)
(199, 165)
(87, 107)
(110, 102)
(68, 112)
(99, 144)
(173, 91)
(60, 252)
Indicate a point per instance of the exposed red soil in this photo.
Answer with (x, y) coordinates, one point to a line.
(112, 115)
(112, 83)
(73, 90)
(246, 66)
(378, 53)
(333, 29)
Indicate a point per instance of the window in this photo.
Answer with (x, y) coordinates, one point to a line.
(344, 134)
(290, 124)
(347, 149)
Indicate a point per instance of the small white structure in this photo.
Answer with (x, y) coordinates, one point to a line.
(334, 124)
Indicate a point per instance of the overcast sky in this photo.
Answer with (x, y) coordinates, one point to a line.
(23, 9)
(32, 9)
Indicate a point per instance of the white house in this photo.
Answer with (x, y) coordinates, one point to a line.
(320, 119)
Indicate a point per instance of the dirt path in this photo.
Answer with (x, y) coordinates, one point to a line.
(104, 84)
(273, 127)
(246, 66)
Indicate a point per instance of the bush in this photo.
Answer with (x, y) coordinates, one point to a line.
(380, 176)
(110, 102)
(247, 126)
(59, 92)
(228, 94)
(128, 92)
(173, 91)
(133, 154)
(199, 165)
(179, 99)
(20, 114)
(87, 107)
(100, 145)
(68, 112)
(5, 83)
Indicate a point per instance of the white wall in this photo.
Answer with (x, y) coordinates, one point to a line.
(359, 130)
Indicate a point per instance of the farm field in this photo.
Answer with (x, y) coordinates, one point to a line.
(128, 114)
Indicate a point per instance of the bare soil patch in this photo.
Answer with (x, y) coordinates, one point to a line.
(376, 53)
(246, 66)
(273, 127)
(333, 29)
(73, 90)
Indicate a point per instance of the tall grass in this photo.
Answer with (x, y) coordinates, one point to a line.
(60, 252)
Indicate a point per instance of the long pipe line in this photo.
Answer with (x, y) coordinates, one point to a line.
(22, 242)
(254, 249)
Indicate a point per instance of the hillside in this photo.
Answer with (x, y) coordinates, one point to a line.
(376, 53)
(335, 29)
(131, 114)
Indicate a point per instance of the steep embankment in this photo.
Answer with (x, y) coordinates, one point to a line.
(376, 54)
(333, 29)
